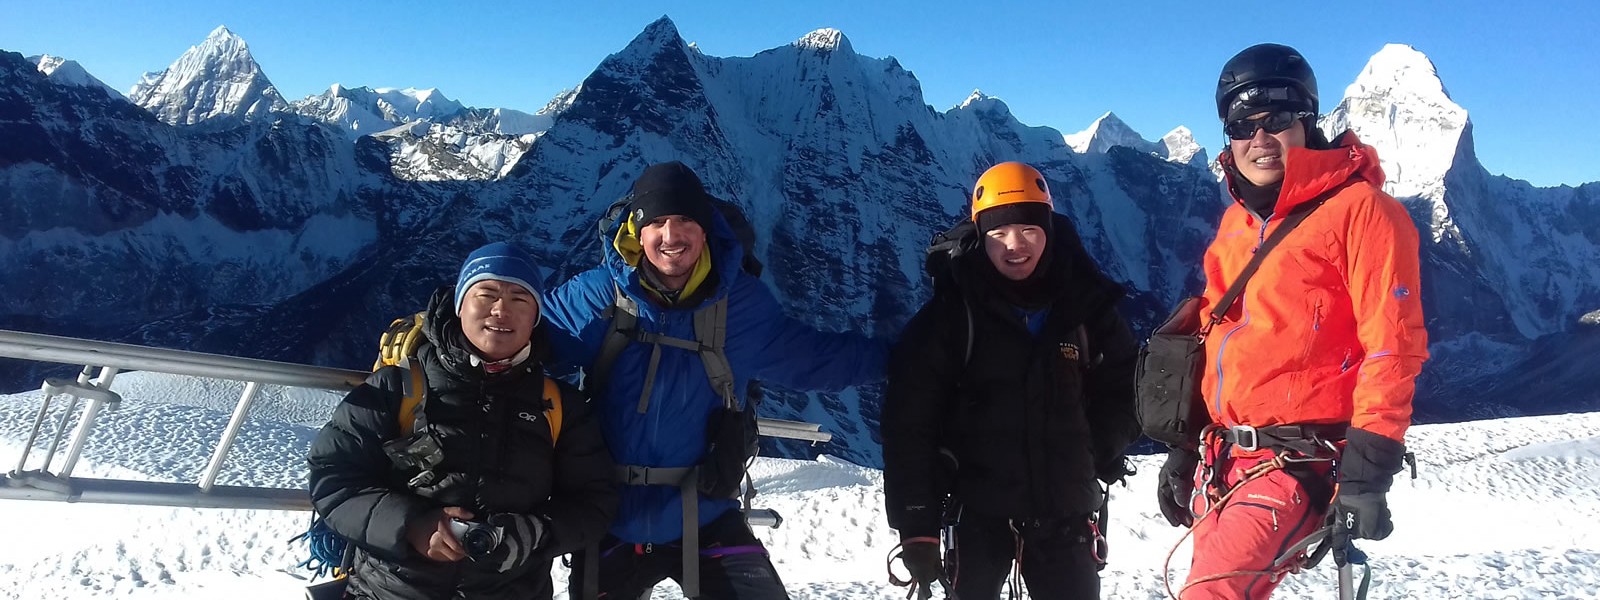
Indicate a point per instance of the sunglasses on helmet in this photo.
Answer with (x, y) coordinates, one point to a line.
(1275, 122)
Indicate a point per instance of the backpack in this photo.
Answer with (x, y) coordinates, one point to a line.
(331, 554)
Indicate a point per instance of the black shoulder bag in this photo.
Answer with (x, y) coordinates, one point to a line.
(1167, 382)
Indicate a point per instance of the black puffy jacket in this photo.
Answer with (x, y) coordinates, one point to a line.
(497, 458)
(1028, 423)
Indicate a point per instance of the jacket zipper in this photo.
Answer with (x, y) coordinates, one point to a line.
(1261, 238)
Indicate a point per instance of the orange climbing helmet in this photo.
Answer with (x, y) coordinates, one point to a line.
(1009, 183)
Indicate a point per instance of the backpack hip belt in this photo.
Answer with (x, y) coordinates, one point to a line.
(686, 479)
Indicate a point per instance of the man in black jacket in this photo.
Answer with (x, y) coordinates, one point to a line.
(1010, 399)
(483, 451)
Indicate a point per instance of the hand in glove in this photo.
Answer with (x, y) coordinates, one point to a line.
(1363, 516)
(1366, 470)
(522, 535)
(922, 560)
(1175, 484)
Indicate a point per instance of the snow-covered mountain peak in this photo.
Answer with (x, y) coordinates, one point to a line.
(223, 35)
(69, 72)
(826, 39)
(981, 102)
(1399, 106)
(1400, 68)
(975, 97)
(1179, 146)
(1106, 132)
(419, 104)
(218, 78)
(658, 34)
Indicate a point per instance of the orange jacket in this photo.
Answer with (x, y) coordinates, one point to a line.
(1329, 330)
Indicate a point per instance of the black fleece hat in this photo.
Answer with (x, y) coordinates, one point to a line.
(669, 188)
(1025, 213)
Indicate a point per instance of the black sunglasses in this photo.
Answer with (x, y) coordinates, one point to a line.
(1275, 122)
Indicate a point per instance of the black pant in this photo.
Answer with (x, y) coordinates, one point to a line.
(1057, 558)
(742, 573)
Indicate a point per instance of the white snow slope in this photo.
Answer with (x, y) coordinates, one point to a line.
(1502, 509)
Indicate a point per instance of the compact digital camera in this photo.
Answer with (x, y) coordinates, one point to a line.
(479, 539)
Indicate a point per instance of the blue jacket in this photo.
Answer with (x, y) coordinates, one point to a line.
(762, 343)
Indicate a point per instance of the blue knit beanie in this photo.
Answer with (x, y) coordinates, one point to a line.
(499, 261)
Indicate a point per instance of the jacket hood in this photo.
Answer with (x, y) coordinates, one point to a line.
(623, 253)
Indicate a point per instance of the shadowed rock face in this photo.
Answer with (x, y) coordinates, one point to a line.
(279, 237)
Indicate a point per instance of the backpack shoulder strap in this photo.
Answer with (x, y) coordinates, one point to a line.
(552, 411)
(413, 392)
(972, 332)
(623, 318)
(1087, 358)
(711, 330)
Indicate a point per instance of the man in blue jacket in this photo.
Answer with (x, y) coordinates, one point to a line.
(669, 331)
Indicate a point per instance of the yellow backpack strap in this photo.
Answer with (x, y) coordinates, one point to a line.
(413, 392)
(552, 415)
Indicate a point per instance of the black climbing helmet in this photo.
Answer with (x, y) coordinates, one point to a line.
(1265, 75)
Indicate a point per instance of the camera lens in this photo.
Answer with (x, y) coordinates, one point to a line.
(480, 539)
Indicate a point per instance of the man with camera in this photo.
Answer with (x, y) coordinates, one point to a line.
(496, 470)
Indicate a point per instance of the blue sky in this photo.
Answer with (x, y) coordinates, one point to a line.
(1524, 71)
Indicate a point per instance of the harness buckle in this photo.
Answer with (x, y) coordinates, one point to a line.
(1245, 437)
(637, 476)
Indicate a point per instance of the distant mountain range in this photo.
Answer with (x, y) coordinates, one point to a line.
(204, 211)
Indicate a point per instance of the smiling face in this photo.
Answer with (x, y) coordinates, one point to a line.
(1260, 158)
(1014, 249)
(498, 318)
(672, 244)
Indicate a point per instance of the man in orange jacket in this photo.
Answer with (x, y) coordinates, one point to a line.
(1309, 375)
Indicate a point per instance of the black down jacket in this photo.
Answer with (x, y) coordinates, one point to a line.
(497, 458)
(1027, 423)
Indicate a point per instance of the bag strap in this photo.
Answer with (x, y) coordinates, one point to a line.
(1289, 223)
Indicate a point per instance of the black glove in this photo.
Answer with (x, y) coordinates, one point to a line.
(521, 535)
(1366, 470)
(922, 560)
(1175, 484)
(1361, 517)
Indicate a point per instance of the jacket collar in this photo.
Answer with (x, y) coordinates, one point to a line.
(1310, 173)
